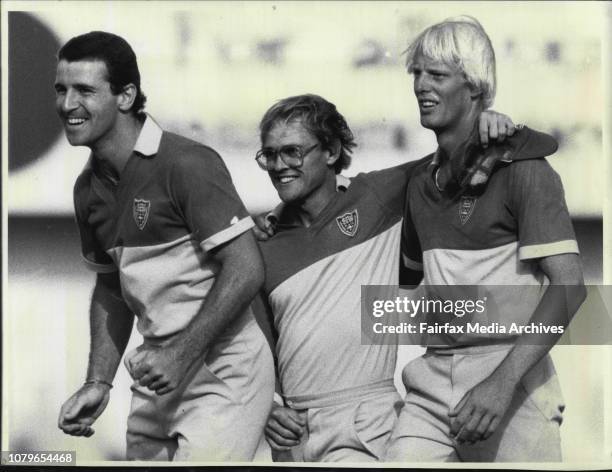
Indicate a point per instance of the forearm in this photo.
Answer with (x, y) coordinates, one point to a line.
(235, 286)
(557, 307)
(110, 326)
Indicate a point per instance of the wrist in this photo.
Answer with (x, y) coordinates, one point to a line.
(101, 382)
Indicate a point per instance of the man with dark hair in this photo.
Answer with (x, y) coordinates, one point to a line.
(334, 235)
(161, 224)
(117, 56)
(477, 396)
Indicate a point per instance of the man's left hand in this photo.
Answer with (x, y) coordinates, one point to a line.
(478, 414)
(160, 368)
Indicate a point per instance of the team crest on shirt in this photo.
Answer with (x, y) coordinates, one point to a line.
(140, 211)
(348, 223)
(466, 208)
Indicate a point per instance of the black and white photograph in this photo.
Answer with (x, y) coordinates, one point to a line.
(281, 233)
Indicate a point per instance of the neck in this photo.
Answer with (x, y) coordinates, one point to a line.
(450, 138)
(314, 204)
(117, 146)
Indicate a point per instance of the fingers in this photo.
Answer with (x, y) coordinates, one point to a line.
(281, 437)
(167, 388)
(68, 412)
(287, 425)
(264, 228)
(483, 130)
(260, 235)
(468, 431)
(78, 429)
(461, 414)
(284, 428)
(491, 428)
(150, 378)
(156, 382)
(494, 126)
(275, 445)
(481, 429)
(493, 130)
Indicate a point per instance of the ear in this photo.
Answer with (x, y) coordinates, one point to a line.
(475, 92)
(334, 153)
(126, 98)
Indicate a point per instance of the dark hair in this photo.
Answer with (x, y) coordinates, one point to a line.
(319, 117)
(115, 52)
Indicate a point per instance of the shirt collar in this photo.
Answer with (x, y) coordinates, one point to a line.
(149, 138)
(436, 158)
(342, 182)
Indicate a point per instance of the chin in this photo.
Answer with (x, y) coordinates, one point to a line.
(287, 198)
(427, 122)
(76, 140)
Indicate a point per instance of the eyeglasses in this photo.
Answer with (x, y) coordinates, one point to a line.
(292, 155)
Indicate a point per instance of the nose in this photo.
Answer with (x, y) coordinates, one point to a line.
(421, 83)
(68, 101)
(278, 164)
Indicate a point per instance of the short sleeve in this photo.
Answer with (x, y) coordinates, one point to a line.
(206, 196)
(412, 255)
(538, 203)
(389, 185)
(93, 255)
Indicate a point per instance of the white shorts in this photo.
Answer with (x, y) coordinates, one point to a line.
(218, 412)
(353, 426)
(436, 383)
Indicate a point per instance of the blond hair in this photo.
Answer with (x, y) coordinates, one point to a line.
(463, 43)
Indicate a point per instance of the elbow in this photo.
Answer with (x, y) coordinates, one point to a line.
(575, 293)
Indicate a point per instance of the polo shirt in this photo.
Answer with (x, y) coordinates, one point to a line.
(491, 236)
(174, 203)
(313, 283)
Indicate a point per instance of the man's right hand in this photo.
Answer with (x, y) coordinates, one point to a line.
(284, 429)
(264, 229)
(80, 411)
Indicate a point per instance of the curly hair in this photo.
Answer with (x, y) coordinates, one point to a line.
(319, 117)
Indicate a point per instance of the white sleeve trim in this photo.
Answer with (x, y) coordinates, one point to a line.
(342, 182)
(228, 234)
(98, 268)
(412, 265)
(536, 251)
(278, 399)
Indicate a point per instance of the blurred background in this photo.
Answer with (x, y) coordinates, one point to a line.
(210, 70)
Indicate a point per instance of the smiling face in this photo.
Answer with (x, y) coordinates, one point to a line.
(444, 95)
(85, 103)
(313, 183)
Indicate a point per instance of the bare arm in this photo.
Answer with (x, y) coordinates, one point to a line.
(480, 411)
(110, 325)
(162, 366)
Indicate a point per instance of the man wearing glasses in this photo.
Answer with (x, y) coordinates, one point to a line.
(334, 234)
